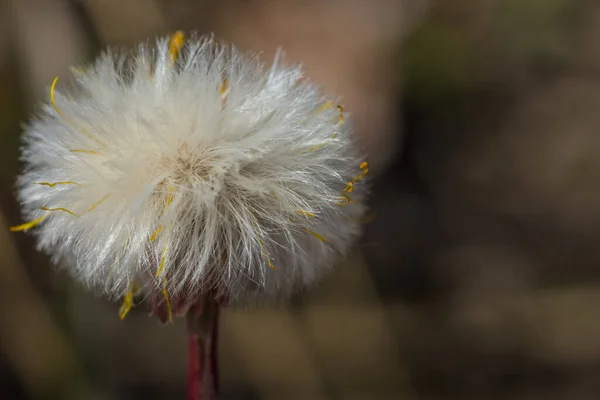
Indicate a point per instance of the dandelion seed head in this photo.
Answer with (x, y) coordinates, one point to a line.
(192, 171)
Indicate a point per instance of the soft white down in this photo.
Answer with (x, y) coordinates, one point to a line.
(187, 167)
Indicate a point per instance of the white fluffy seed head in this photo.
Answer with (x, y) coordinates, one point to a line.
(193, 169)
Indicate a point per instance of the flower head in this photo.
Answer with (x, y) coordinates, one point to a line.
(188, 167)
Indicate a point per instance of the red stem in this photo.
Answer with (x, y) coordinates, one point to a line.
(202, 321)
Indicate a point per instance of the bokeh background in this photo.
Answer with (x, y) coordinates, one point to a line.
(479, 278)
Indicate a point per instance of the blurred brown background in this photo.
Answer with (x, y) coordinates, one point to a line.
(480, 276)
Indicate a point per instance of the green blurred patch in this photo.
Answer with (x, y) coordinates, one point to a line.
(465, 45)
(436, 62)
(534, 27)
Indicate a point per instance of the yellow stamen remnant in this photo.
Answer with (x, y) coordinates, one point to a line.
(83, 151)
(167, 301)
(306, 213)
(350, 185)
(164, 254)
(341, 114)
(365, 170)
(318, 146)
(175, 44)
(266, 254)
(346, 200)
(155, 234)
(169, 198)
(59, 209)
(53, 101)
(162, 262)
(167, 204)
(314, 148)
(325, 106)
(28, 225)
(224, 91)
(224, 88)
(315, 234)
(96, 204)
(126, 305)
(128, 300)
(52, 184)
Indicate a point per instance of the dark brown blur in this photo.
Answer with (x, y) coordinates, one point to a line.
(478, 279)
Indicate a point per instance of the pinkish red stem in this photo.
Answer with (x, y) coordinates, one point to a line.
(202, 320)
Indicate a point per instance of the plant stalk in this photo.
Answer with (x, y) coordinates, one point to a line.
(202, 324)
